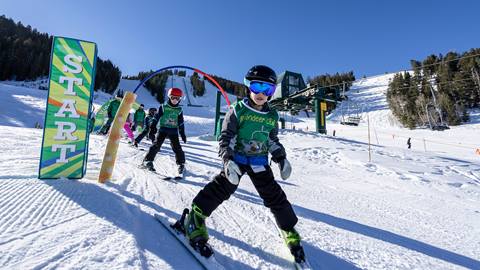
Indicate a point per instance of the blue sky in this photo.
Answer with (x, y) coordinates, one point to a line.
(227, 37)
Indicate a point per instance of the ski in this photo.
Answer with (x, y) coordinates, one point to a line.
(141, 166)
(138, 148)
(172, 179)
(305, 265)
(298, 265)
(176, 178)
(177, 231)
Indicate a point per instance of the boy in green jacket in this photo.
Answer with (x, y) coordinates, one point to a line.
(138, 118)
(111, 111)
(249, 133)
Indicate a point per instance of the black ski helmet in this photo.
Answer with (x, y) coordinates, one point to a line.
(152, 110)
(261, 73)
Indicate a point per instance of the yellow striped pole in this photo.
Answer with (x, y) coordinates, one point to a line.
(114, 138)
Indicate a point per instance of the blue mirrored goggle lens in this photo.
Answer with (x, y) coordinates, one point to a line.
(262, 87)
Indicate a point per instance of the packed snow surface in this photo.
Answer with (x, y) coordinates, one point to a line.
(415, 208)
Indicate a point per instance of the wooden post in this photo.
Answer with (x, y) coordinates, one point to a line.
(114, 138)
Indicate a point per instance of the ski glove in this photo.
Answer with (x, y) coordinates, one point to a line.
(232, 172)
(285, 168)
(184, 139)
(278, 155)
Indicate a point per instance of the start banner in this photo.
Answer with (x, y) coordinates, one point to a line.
(65, 135)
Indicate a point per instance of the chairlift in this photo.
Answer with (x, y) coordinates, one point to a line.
(434, 117)
(353, 115)
(434, 114)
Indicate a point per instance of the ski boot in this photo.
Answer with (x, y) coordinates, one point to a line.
(292, 239)
(149, 165)
(196, 231)
(178, 225)
(181, 169)
(135, 144)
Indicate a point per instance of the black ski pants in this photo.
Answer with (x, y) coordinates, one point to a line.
(220, 189)
(106, 127)
(142, 135)
(174, 142)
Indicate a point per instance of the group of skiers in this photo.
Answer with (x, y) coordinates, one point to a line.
(134, 122)
(249, 133)
(166, 122)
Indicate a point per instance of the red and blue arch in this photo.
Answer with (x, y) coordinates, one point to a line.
(212, 80)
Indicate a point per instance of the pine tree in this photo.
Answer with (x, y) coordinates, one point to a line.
(25, 55)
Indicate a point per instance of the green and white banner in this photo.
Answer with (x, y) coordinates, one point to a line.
(65, 136)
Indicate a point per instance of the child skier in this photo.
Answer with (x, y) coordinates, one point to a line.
(111, 111)
(138, 118)
(169, 122)
(249, 133)
(128, 130)
(147, 123)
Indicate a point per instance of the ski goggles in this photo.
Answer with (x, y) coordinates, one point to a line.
(175, 98)
(265, 88)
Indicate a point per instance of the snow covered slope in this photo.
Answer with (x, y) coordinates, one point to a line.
(408, 209)
(367, 96)
(143, 95)
(367, 99)
(20, 106)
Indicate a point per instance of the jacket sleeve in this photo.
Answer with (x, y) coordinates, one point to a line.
(181, 126)
(146, 122)
(228, 135)
(276, 148)
(157, 116)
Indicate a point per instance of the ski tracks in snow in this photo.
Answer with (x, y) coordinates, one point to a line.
(234, 226)
(395, 192)
(39, 208)
(420, 168)
(352, 213)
